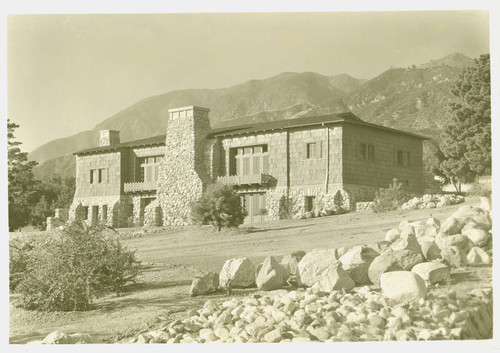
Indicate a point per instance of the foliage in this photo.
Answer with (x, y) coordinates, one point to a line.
(465, 149)
(66, 271)
(21, 181)
(391, 198)
(478, 189)
(220, 206)
(40, 212)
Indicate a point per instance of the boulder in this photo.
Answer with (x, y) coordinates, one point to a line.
(320, 268)
(432, 272)
(478, 237)
(403, 224)
(57, 337)
(392, 261)
(458, 240)
(356, 262)
(454, 256)
(485, 203)
(467, 211)
(419, 228)
(204, 284)
(239, 272)
(299, 254)
(407, 241)
(478, 256)
(381, 246)
(452, 225)
(272, 275)
(430, 250)
(432, 231)
(392, 235)
(403, 286)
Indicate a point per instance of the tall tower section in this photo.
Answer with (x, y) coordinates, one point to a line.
(183, 173)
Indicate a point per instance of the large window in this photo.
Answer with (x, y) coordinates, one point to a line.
(149, 168)
(252, 160)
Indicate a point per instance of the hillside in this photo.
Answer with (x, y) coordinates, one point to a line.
(412, 99)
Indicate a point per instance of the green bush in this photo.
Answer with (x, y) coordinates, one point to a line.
(68, 270)
(391, 198)
(219, 206)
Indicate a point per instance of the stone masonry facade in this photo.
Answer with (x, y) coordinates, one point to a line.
(285, 169)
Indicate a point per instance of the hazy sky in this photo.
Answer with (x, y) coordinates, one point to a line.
(67, 73)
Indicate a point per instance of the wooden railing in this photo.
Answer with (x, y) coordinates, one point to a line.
(140, 186)
(244, 179)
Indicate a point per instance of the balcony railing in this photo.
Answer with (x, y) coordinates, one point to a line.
(140, 186)
(244, 179)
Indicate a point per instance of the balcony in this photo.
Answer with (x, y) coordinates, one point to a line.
(140, 186)
(244, 179)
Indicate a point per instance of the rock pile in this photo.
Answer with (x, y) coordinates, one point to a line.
(307, 315)
(432, 201)
(364, 206)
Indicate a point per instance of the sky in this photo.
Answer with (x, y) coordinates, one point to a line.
(67, 73)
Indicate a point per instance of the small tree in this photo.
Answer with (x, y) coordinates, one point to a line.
(220, 206)
(391, 198)
(40, 212)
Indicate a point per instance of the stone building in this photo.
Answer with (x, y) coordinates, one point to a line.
(281, 169)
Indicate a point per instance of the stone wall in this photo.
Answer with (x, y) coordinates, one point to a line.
(153, 214)
(183, 173)
(118, 210)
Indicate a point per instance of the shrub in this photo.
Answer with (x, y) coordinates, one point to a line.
(391, 198)
(68, 270)
(219, 206)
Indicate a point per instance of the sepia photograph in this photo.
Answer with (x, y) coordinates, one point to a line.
(190, 177)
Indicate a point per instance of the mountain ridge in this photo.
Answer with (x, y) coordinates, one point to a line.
(412, 99)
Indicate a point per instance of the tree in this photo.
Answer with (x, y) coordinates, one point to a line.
(465, 150)
(220, 206)
(21, 181)
(40, 212)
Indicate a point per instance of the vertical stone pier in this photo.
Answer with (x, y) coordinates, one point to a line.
(183, 173)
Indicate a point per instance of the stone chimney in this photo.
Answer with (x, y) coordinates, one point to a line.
(184, 173)
(109, 137)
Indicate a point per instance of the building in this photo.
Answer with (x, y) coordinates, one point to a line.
(281, 169)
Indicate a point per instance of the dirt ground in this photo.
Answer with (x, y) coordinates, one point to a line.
(172, 258)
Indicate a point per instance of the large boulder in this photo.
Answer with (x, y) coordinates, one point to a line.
(478, 256)
(392, 235)
(467, 211)
(407, 241)
(458, 240)
(238, 272)
(356, 262)
(403, 286)
(272, 275)
(433, 272)
(321, 270)
(433, 222)
(393, 261)
(452, 225)
(419, 228)
(478, 237)
(57, 337)
(454, 256)
(430, 250)
(204, 284)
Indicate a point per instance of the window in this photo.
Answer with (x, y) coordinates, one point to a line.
(104, 215)
(366, 151)
(308, 203)
(251, 160)
(92, 176)
(313, 150)
(98, 176)
(150, 168)
(403, 158)
(85, 212)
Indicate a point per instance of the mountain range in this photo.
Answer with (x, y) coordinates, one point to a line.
(413, 99)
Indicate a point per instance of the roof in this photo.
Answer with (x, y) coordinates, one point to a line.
(347, 117)
(150, 141)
